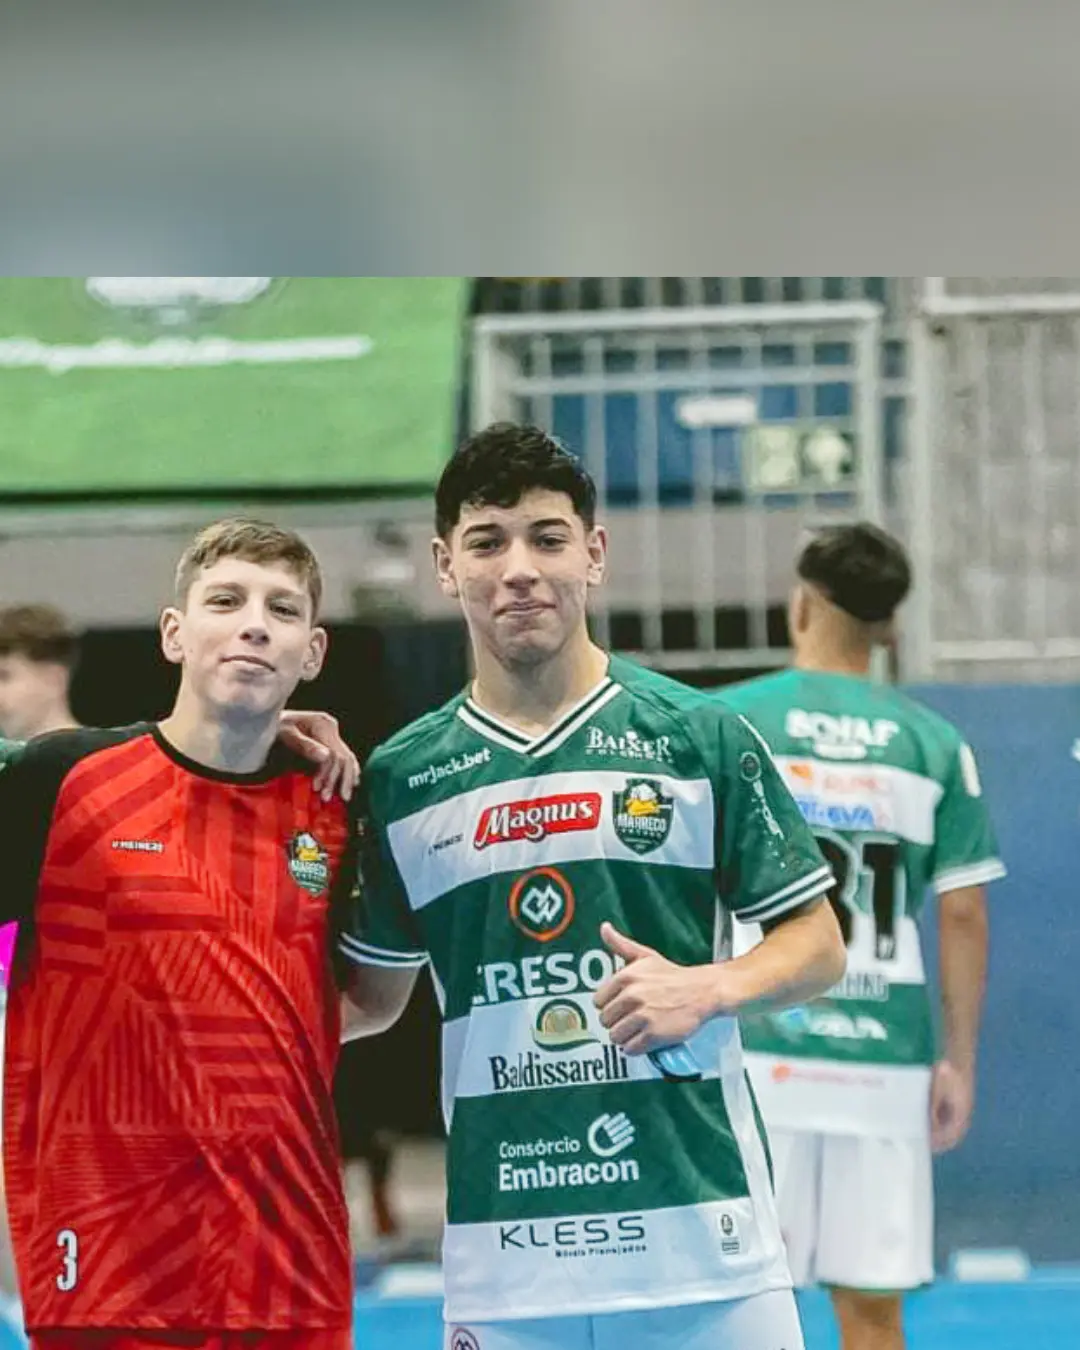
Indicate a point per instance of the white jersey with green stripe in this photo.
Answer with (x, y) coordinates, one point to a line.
(582, 1180)
(892, 793)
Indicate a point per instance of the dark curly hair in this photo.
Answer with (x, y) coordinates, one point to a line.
(862, 569)
(498, 465)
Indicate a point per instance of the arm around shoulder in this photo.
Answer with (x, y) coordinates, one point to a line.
(381, 938)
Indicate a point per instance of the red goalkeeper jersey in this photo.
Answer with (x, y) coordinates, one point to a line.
(170, 1145)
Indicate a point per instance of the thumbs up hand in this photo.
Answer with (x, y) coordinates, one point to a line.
(624, 946)
(652, 1002)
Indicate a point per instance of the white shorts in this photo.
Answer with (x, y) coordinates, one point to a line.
(767, 1321)
(855, 1212)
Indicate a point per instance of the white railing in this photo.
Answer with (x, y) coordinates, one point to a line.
(725, 544)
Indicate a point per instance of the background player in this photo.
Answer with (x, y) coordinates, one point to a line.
(568, 842)
(170, 1143)
(38, 652)
(845, 1084)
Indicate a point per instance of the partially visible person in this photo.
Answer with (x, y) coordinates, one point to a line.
(853, 1090)
(38, 653)
(369, 1154)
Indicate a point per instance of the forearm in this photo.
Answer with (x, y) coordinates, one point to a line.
(374, 1000)
(359, 1022)
(963, 942)
(797, 960)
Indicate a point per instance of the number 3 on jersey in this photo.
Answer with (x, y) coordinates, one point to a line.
(68, 1242)
(877, 859)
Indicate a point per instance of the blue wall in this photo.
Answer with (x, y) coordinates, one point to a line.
(1016, 1179)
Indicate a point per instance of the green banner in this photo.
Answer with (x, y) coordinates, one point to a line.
(219, 383)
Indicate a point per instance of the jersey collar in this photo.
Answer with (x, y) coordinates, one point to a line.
(510, 738)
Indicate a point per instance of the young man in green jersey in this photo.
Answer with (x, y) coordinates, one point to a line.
(851, 1087)
(567, 843)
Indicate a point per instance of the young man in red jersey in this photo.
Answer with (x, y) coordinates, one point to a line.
(171, 1150)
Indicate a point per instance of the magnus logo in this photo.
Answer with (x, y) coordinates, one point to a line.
(435, 773)
(840, 737)
(535, 820)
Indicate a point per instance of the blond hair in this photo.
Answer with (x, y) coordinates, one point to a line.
(254, 541)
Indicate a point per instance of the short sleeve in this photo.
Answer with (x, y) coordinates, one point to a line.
(769, 860)
(965, 849)
(380, 929)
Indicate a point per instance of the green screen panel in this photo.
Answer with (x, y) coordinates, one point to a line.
(213, 383)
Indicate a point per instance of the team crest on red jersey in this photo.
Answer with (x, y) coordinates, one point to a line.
(309, 863)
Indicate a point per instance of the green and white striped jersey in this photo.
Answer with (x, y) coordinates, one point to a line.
(582, 1180)
(892, 794)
